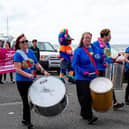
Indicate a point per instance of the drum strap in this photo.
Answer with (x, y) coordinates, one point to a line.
(92, 60)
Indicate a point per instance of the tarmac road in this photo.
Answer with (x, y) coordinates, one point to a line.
(11, 109)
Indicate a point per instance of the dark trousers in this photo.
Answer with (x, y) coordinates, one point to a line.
(102, 74)
(23, 90)
(0, 77)
(11, 76)
(127, 88)
(84, 97)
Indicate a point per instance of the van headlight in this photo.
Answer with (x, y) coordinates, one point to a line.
(43, 58)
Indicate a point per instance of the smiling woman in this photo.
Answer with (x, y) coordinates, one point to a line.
(25, 63)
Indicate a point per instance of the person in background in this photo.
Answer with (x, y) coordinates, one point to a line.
(104, 47)
(127, 75)
(35, 49)
(1, 46)
(25, 62)
(7, 46)
(85, 70)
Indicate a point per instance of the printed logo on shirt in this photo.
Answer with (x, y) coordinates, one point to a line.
(97, 56)
(28, 63)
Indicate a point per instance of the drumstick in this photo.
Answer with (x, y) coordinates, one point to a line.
(90, 74)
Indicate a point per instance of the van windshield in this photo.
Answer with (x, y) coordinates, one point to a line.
(45, 46)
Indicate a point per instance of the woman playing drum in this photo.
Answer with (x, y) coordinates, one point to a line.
(25, 63)
(85, 71)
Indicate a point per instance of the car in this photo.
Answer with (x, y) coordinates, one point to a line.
(48, 55)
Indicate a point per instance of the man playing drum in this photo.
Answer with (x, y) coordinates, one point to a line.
(103, 45)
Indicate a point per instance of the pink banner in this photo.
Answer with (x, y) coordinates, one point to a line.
(6, 60)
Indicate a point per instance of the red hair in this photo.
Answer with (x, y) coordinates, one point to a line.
(17, 41)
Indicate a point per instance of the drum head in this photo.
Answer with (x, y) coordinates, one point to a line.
(101, 85)
(47, 91)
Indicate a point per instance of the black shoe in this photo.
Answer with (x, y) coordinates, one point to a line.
(62, 79)
(127, 102)
(84, 117)
(92, 120)
(118, 105)
(72, 80)
(1, 82)
(28, 124)
(13, 82)
(25, 122)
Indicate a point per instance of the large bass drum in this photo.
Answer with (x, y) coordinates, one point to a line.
(101, 93)
(47, 96)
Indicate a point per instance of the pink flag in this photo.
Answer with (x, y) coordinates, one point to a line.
(6, 60)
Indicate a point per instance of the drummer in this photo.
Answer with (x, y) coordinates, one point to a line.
(25, 62)
(104, 47)
(127, 75)
(85, 70)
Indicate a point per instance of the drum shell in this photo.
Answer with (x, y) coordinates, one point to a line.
(51, 111)
(118, 73)
(109, 71)
(101, 102)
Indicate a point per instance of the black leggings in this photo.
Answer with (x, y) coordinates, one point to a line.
(102, 74)
(23, 87)
(127, 88)
(84, 97)
(0, 77)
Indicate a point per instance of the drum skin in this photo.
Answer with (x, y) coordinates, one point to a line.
(101, 102)
(101, 94)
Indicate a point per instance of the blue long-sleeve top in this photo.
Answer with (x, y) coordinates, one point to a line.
(82, 63)
(105, 58)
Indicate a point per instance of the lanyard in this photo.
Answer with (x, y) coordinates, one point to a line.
(92, 60)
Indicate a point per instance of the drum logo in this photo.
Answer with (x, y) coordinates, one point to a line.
(44, 81)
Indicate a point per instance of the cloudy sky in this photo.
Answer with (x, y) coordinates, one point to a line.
(43, 19)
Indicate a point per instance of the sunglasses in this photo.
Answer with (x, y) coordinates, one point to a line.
(24, 41)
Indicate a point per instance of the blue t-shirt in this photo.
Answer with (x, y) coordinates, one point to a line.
(27, 66)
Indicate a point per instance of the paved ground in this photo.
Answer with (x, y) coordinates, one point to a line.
(11, 107)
